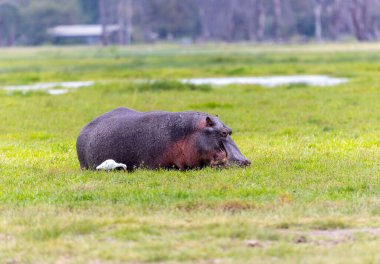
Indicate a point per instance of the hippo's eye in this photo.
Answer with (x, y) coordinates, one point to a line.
(224, 133)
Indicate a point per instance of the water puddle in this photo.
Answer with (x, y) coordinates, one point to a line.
(57, 91)
(58, 88)
(270, 81)
(50, 88)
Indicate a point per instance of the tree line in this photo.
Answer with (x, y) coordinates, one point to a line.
(25, 22)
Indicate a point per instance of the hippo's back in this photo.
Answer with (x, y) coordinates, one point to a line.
(128, 137)
(94, 137)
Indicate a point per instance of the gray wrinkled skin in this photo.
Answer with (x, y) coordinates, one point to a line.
(141, 139)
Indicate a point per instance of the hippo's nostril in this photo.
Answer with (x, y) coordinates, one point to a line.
(246, 162)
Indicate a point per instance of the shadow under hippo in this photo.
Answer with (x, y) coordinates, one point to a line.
(183, 140)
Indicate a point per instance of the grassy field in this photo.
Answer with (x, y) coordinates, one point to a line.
(315, 155)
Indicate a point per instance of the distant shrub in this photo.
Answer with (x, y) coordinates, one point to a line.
(296, 85)
(170, 85)
(27, 93)
(329, 224)
(212, 105)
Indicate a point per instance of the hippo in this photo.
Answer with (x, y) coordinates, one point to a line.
(158, 139)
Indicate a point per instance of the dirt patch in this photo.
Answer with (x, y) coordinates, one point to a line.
(344, 232)
(64, 260)
(236, 206)
(330, 237)
(5, 238)
(228, 206)
(258, 244)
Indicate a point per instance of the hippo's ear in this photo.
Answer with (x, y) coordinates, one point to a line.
(209, 122)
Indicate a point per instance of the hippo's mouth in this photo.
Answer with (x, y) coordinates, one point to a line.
(220, 158)
(233, 155)
(223, 149)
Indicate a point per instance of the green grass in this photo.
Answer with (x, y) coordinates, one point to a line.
(314, 150)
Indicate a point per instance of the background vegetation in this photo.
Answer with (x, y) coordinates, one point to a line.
(314, 150)
(26, 22)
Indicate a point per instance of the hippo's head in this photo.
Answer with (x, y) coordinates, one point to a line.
(216, 146)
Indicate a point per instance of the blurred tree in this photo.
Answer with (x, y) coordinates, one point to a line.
(10, 21)
(303, 12)
(334, 18)
(125, 16)
(90, 10)
(261, 19)
(318, 19)
(172, 18)
(277, 10)
(359, 14)
(103, 18)
(26, 21)
(39, 15)
(205, 13)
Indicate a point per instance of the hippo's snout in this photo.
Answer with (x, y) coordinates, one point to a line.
(244, 163)
(240, 162)
(234, 155)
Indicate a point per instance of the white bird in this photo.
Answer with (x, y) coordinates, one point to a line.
(110, 164)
